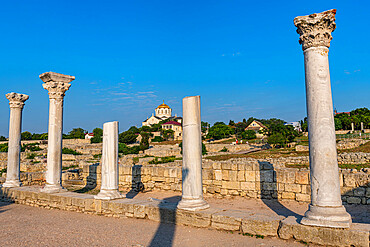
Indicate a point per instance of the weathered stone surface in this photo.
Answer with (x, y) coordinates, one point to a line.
(357, 235)
(261, 224)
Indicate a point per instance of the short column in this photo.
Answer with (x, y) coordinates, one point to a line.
(192, 189)
(57, 85)
(109, 163)
(326, 207)
(16, 103)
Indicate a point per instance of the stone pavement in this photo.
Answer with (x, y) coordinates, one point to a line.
(28, 226)
(246, 216)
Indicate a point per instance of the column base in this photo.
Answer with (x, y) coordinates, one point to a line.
(12, 183)
(109, 195)
(335, 217)
(193, 204)
(53, 188)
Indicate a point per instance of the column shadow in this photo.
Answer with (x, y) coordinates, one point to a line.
(360, 213)
(90, 179)
(166, 231)
(269, 191)
(137, 185)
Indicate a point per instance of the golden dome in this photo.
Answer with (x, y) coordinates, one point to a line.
(163, 105)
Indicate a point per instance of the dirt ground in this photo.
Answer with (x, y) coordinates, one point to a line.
(29, 226)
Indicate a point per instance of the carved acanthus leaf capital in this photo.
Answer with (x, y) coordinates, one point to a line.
(315, 29)
(57, 84)
(16, 100)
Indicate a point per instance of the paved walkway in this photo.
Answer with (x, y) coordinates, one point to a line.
(28, 226)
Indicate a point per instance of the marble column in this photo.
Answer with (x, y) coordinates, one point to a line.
(16, 103)
(326, 207)
(352, 127)
(109, 163)
(362, 126)
(57, 85)
(192, 189)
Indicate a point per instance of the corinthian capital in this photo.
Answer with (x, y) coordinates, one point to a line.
(57, 84)
(16, 100)
(315, 29)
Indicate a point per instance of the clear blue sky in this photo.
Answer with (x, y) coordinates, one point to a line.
(242, 57)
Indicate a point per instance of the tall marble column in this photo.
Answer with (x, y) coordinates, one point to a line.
(57, 85)
(192, 189)
(326, 207)
(16, 103)
(109, 163)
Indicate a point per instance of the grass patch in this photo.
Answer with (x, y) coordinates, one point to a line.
(365, 148)
(162, 160)
(36, 162)
(30, 156)
(2, 171)
(224, 150)
(97, 156)
(342, 166)
(70, 151)
(69, 167)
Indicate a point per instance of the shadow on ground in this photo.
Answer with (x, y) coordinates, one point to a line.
(166, 231)
(136, 185)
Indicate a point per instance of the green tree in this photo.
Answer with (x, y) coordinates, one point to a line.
(77, 133)
(26, 135)
(219, 131)
(2, 138)
(276, 139)
(127, 137)
(144, 143)
(167, 134)
(98, 135)
(204, 127)
(248, 134)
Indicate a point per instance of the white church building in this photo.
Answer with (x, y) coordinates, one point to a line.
(162, 112)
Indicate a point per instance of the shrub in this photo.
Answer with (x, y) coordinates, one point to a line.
(204, 149)
(31, 147)
(70, 151)
(224, 150)
(30, 156)
(4, 147)
(157, 139)
(124, 149)
(162, 160)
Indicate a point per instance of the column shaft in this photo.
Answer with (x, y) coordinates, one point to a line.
(109, 163)
(16, 103)
(55, 134)
(192, 189)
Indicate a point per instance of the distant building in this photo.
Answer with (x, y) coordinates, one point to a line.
(162, 112)
(88, 136)
(297, 125)
(176, 127)
(256, 126)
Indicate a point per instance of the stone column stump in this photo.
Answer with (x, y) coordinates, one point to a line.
(109, 163)
(192, 189)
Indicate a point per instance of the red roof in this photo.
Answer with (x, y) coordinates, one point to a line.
(173, 123)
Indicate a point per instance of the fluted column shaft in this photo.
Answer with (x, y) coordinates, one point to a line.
(192, 189)
(326, 205)
(109, 163)
(16, 103)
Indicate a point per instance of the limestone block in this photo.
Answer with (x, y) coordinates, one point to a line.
(261, 224)
(241, 176)
(360, 191)
(353, 200)
(197, 219)
(230, 185)
(349, 180)
(357, 235)
(207, 174)
(229, 220)
(293, 187)
(226, 166)
(250, 176)
(303, 197)
(225, 175)
(218, 175)
(288, 195)
(233, 175)
(301, 177)
(216, 166)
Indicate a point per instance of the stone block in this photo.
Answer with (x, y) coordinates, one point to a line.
(302, 197)
(360, 191)
(230, 185)
(288, 195)
(216, 166)
(225, 175)
(241, 176)
(197, 219)
(357, 235)
(349, 180)
(261, 224)
(218, 175)
(301, 177)
(292, 188)
(226, 166)
(247, 186)
(233, 175)
(250, 176)
(229, 220)
(353, 200)
(207, 174)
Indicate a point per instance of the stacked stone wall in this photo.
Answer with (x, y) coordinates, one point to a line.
(237, 177)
